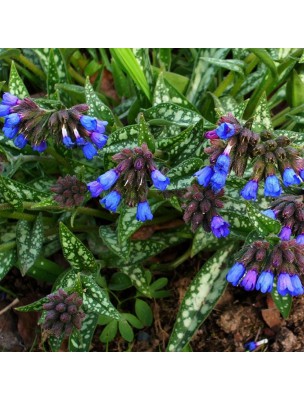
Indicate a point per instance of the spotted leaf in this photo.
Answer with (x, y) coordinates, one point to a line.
(15, 84)
(81, 340)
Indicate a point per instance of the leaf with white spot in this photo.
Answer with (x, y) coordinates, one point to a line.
(36, 306)
(29, 239)
(79, 257)
(181, 176)
(166, 114)
(138, 278)
(203, 240)
(200, 298)
(263, 224)
(95, 299)
(81, 340)
(97, 108)
(52, 74)
(262, 117)
(110, 239)
(8, 259)
(15, 84)
(144, 135)
(67, 281)
(283, 303)
(122, 138)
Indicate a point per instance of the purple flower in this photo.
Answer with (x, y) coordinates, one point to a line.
(235, 273)
(101, 126)
(80, 141)
(143, 212)
(160, 181)
(269, 213)
(222, 163)
(40, 147)
(95, 188)
(12, 120)
(249, 280)
(285, 233)
(265, 282)
(99, 139)
(10, 133)
(89, 151)
(111, 201)
(297, 285)
(9, 99)
(108, 179)
(225, 130)
(218, 181)
(272, 186)
(219, 227)
(290, 177)
(300, 239)
(20, 141)
(89, 123)
(204, 175)
(284, 285)
(211, 135)
(250, 190)
(4, 110)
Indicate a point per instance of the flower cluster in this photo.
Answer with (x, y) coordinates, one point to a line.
(130, 180)
(259, 264)
(69, 191)
(26, 122)
(270, 154)
(63, 313)
(201, 210)
(289, 210)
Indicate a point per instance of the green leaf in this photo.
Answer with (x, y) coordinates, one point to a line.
(263, 224)
(97, 108)
(79, 257)
(265, 57)
(283, 303)
(261, 117)
(122, 138)
(109, 332)
(119, 281)
(55, 343)
(111, 241)
(144, 135)
(163, 57)
(132, 320)
(95, 299)
(8, 259)
(45, 270)
(128, 62)
(232, 65)
(36, 306)
(137, 276)
(67, 280)
(166, 114)
(143, 312)
(52, 74)
(295, 90)
(29, 241)
(15, 84)
(15, 192)
(200, 298)
(126, 330)
(142, 57)
(81, 340)
(203, 239)
(181, 176)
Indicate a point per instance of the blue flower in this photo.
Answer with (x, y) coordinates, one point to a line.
(95, 188)
(143, 212)
(111, 201)
(297, 285)
(12, 120)
(20, 141)
(250, 190)
(10, 133)
(218, 181)
(284, 285)
(9, 99)
(225, 131)
(300, 239)
(290, 177)
(250, 346)
(222, 163)
(272, 186)
(67, 141)
(89, 123)
(235, 273)
(99, 139)
(40, 147)
(219, 227)
(4, 110)
(249, 280)
(108, 179)
(285, 233)
(160, 181)
(302, 173)
(89, 151)
(204, 175)
(265, 282)
(269, 213)
(101, 126)
(80, 141)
